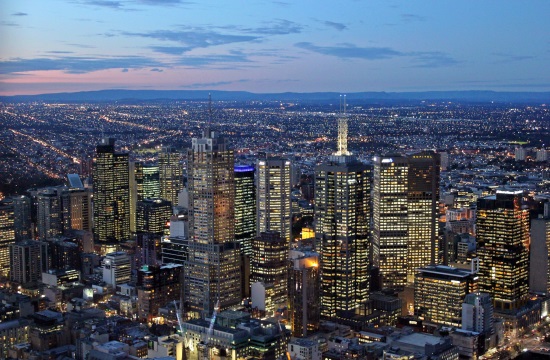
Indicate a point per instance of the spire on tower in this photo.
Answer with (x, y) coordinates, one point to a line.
(342, 131)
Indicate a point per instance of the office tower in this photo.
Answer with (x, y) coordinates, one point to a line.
(268, 265)
(502, 226)
(390, 234)
(439, 292)
(153, 215)
(477, 316)
(422, 211)
(477, 313)
(51, 219)
(111, 194)
(539, 254)
(79, 206)
(7, 236)
(28, 260)
(22, 215)
(342, 213)
(157, 285)
(273, 197)
(245, 207)
(63, 254)
(117, 268)
(174, 248)
(170, 174)
(144, 184)
(405, 214)
(213, 271)
(303, 294)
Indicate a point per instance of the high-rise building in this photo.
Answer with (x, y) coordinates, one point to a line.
(268, 265)
(390, 223)
(51, 219)
(502, 226)
(78, 204)
(28, 260)
(405, 214)
(342, 214)
(477, 313)
(170, 174)
(439, 292)
(422, 211)
(117, 268)
(144, 184)
(273, 196)
(22, 215)
(7, 236)
(111, 194)
(245, 207)
(305, 309)
(539, 254)
(477, 316)
(213, 269)
(157, 285)
(152, 215)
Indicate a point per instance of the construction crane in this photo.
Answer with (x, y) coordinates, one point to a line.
(206, 352)
(188, 344)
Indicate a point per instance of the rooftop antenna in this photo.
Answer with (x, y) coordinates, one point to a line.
(342, 130)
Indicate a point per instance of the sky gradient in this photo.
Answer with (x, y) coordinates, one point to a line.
(274, 46)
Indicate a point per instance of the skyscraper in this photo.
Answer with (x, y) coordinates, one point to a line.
(405, 204)
(7, 236)
(245, 207)
(170, 174)
(28, 259)
(390, 219)
(51, 219)
(304, 292)
(342, 212)
(439, 292)
(539, 254)
(273, 196)
(111, 194)
(213, 271)
(22, 215)
(502, 226)
(152, 215)
(268, 264)
(422, 211)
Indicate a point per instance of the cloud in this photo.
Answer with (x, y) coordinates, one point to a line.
(192, 39)
(19, 14)
(164, 2)
(156, 70)
(348, 51)
(212, 84)
(75, 65)
(335, 25)
(59, 52)
(281, 3)
(420, 59)
(412, 17)
(277, 27)
(201, 61)
(82, 46)
(8, 23)
(432, 59)
(170, 50)
(506, 57)
(105, 3)
(124, 70)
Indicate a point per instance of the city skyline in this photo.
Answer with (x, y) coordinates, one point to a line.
(273, 46)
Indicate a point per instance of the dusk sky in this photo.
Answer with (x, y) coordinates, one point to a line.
(274, 46)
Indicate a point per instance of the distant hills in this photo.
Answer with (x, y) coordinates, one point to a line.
(217, 95)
